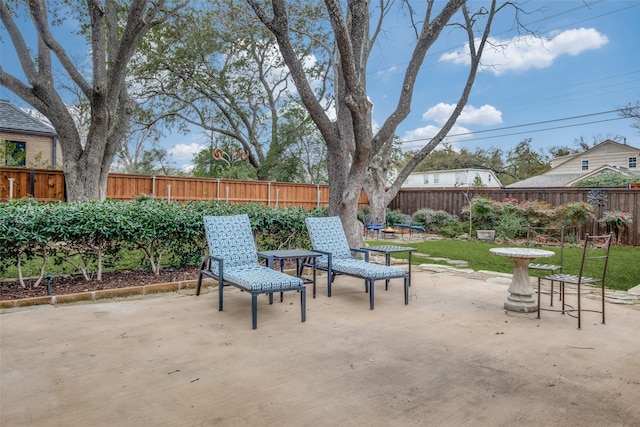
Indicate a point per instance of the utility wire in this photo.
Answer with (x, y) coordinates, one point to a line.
(529, 124)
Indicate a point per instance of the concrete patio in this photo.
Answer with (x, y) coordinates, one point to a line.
(452, 357)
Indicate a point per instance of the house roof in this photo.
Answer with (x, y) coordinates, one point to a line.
(563, 159)
(451, 170)
(14, 120)
(553, 179)
(608, 169)
(547, 180)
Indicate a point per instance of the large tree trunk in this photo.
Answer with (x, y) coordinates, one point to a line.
(114, 35)
(351, 147)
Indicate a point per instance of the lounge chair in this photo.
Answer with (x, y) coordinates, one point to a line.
(233, 260)
(328, 238)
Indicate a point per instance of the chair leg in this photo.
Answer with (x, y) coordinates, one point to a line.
(199, 283)
(303, 303)
(539, 294)
(254, 311)
(602, 298)
(220, 294)
(371, 284)
(406, 290)
(579, 309)
(551, 303)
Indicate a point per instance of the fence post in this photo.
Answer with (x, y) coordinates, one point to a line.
(168, 192)
(11, 188)
(277, 196)
(269, 193)
(227, 194)
(153, 185)
(318, 195)
(32, 183)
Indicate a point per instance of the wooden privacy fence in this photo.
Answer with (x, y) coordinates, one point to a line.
(48, 185)
(453, 201)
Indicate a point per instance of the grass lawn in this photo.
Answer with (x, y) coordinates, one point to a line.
(623, 272)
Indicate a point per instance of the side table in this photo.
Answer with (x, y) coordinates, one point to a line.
(387, 250)
(297, 254)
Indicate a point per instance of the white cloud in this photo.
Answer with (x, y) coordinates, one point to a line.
(427, 132)
(485, 115)
(524, 52)
(185, 152)
(440, 113)
(187, 168)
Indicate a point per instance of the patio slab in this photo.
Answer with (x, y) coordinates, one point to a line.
(453, 356)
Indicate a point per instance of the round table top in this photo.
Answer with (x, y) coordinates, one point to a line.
(521, 252)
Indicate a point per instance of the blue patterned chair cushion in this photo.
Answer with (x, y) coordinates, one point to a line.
(327, 235)
(360, 268)
(257, 278)
(230, 238)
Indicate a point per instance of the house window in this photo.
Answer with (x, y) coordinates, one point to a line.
(489, 178)
(436, 178)
(425, 179)
(585, 165)
(13, 153)
(633, 162)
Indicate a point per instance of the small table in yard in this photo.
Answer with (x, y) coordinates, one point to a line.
(520, 290)
(297, 254)
(387, 250)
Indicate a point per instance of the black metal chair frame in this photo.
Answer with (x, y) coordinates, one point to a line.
(595, 248)
(555, 238)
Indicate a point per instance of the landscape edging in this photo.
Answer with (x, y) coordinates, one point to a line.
(130, 291)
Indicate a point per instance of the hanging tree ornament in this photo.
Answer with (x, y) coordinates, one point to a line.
(231, 159)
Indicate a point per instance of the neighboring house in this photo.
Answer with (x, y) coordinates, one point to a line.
(606, 157)
(25, 141)
(453, 178)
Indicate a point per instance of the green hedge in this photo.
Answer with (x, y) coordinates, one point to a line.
(91, 235)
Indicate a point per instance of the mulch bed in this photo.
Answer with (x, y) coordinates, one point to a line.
(61, 285)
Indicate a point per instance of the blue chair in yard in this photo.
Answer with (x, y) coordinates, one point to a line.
(233, 260)
(408, 224)
(373, 226)
(328, 238)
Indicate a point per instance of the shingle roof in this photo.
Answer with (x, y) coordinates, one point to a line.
(546, 180)
(14, 120)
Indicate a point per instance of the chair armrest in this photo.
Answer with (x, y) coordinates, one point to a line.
(365, 252)
(269, 258)
(328, 254)
(206, 264)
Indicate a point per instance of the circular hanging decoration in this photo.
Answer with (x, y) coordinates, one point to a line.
(217, 153)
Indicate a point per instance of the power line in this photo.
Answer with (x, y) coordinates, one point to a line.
(529, 124)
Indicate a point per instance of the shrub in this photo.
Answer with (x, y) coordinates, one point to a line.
(483, 212)
(433, 220)
(511, 225)
(616, 222)
(394, 216)
(453, 229)
(88, 234)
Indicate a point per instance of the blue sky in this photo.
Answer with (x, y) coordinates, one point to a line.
(585, 65)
